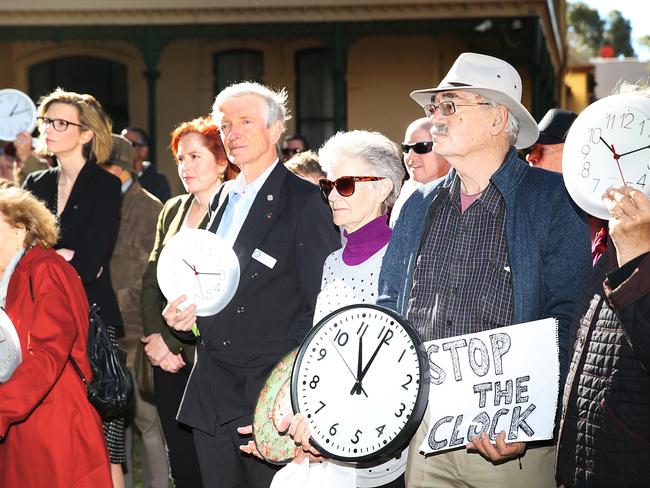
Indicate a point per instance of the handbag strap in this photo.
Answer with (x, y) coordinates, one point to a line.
(72, 361)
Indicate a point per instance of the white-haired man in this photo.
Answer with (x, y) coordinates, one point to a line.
(282, 232)
(495, 243)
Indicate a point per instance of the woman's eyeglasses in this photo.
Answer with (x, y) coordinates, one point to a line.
(59, 125)
(344, 185)
(418, 147)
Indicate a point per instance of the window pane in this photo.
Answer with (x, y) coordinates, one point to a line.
(235, 66)
(102, 78)
(315, 96)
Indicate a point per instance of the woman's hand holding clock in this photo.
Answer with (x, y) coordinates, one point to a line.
(177, 319)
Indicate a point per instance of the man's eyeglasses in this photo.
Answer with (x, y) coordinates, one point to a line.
(59, 125)
(290, 151)
(344, 185)
(447, 107)
(418, 147)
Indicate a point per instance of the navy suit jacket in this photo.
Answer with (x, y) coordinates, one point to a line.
(272, 309)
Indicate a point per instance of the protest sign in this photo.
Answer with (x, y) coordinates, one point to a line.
(504, 379)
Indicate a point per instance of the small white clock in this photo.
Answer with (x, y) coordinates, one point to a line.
(200, 265)
(608, 145)
(17, 113)
(10, 353)
(361, 378)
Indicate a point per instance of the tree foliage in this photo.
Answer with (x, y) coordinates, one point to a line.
(619, 34)
(588, 32)
(586, 27)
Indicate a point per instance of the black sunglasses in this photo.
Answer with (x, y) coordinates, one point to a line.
(286, 151)
(344, 185)
(418, 147)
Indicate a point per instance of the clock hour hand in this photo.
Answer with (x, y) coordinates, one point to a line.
(610, 147)
(635, 150)
(12, 110)
(191, 267)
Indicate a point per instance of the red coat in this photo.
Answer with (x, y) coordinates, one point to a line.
(53, 435)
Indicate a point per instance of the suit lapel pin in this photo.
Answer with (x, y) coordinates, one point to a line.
(269, 198)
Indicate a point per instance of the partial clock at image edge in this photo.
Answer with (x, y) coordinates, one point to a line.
(189, 260)
(10, 352)
(17, 114)
(401, 440)
(608, 145)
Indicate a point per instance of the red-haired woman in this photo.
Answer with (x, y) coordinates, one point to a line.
(202, 166)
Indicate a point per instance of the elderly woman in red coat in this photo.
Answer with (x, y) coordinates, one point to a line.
(51, 435)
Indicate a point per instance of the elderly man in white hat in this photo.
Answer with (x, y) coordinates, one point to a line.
(494, 243)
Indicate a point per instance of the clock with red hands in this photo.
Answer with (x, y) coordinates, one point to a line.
(608, 145)
(200, 265)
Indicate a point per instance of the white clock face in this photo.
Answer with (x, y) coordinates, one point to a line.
(200, 265)
(362, 379)
(10, 353)
(608, 145)
(17, 114)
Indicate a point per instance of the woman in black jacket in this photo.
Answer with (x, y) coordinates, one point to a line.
(86, 199)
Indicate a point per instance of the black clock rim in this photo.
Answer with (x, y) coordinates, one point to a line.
(402, 439)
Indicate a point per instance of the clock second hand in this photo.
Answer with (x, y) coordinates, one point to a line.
(346, 365)
(616, 158)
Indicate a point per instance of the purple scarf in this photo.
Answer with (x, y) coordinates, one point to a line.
(366, 241)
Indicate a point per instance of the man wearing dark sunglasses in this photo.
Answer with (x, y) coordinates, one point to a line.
(293, 144)
(421, 161)
(494, 243)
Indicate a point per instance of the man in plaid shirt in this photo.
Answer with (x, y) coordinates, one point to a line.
(495, 243)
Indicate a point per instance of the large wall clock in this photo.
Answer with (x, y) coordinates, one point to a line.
(608, 145)
(361, 377)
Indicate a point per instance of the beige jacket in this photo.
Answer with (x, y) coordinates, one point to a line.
(135, 239)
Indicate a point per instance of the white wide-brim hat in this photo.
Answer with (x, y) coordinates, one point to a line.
(492, 78)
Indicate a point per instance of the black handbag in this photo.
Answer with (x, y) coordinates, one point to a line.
(111, 389)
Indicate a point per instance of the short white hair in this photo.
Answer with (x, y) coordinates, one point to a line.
(513, 124)
(380, 154)
(275, 109)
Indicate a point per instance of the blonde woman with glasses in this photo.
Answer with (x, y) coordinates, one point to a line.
(86, 199)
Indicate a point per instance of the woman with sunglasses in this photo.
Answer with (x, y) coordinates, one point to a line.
(202, 166)
(86, 199)
(364, 177)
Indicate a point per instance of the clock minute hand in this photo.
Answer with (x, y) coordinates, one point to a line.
(635, 150)
(357, 386)
(372, 358)
(12, 110)
(19, 112)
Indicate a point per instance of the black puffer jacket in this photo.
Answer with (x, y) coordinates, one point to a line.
(604, 438)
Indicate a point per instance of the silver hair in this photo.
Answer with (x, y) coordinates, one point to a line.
(641, 87)
(513, 124)
(275, 109)
(380, 154)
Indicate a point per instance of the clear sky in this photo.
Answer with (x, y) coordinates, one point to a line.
(636, 11)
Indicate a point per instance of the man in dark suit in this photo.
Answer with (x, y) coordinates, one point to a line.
(281, 232)
(149, 177)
